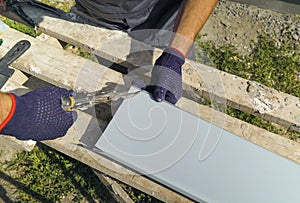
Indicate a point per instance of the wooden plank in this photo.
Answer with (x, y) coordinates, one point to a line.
(248, 96)
(59, 76)
(116, 46)
(115, 189)
(40, 57)
(58, 67)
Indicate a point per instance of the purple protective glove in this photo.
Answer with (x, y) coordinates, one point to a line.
(39, 116)
(166, 79)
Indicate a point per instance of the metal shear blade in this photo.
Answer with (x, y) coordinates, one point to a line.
(83, 101)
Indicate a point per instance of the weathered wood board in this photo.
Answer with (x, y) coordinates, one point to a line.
(62, 68)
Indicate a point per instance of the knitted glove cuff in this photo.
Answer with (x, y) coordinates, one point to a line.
(176, 51)
(170, 57)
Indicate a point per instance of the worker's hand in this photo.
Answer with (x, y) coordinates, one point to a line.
(166, 79)
(38, 115)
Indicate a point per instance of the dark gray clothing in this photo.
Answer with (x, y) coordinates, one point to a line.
(149, 21)
(130, 15)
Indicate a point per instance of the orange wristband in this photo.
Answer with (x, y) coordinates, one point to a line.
(11, 113)
(178, 51)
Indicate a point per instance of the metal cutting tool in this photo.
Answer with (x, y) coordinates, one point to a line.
(85, 100)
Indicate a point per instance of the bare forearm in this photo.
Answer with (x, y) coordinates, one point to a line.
(191, 20)
(5, 106)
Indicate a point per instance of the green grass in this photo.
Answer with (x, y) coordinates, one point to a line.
(65, 5)
(19, 26)
(139, 197)
(49, 176)
(273, 66)
(45, 175)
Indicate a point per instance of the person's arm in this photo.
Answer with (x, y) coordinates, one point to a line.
(5, 106)
(191, 19)
(166, 75)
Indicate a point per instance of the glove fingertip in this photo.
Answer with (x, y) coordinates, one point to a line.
(159, 94)
(171, 98)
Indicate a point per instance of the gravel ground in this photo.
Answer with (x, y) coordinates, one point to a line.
(240, 24)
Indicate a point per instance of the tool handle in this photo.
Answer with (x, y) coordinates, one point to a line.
(67, 103)
(15, 52)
